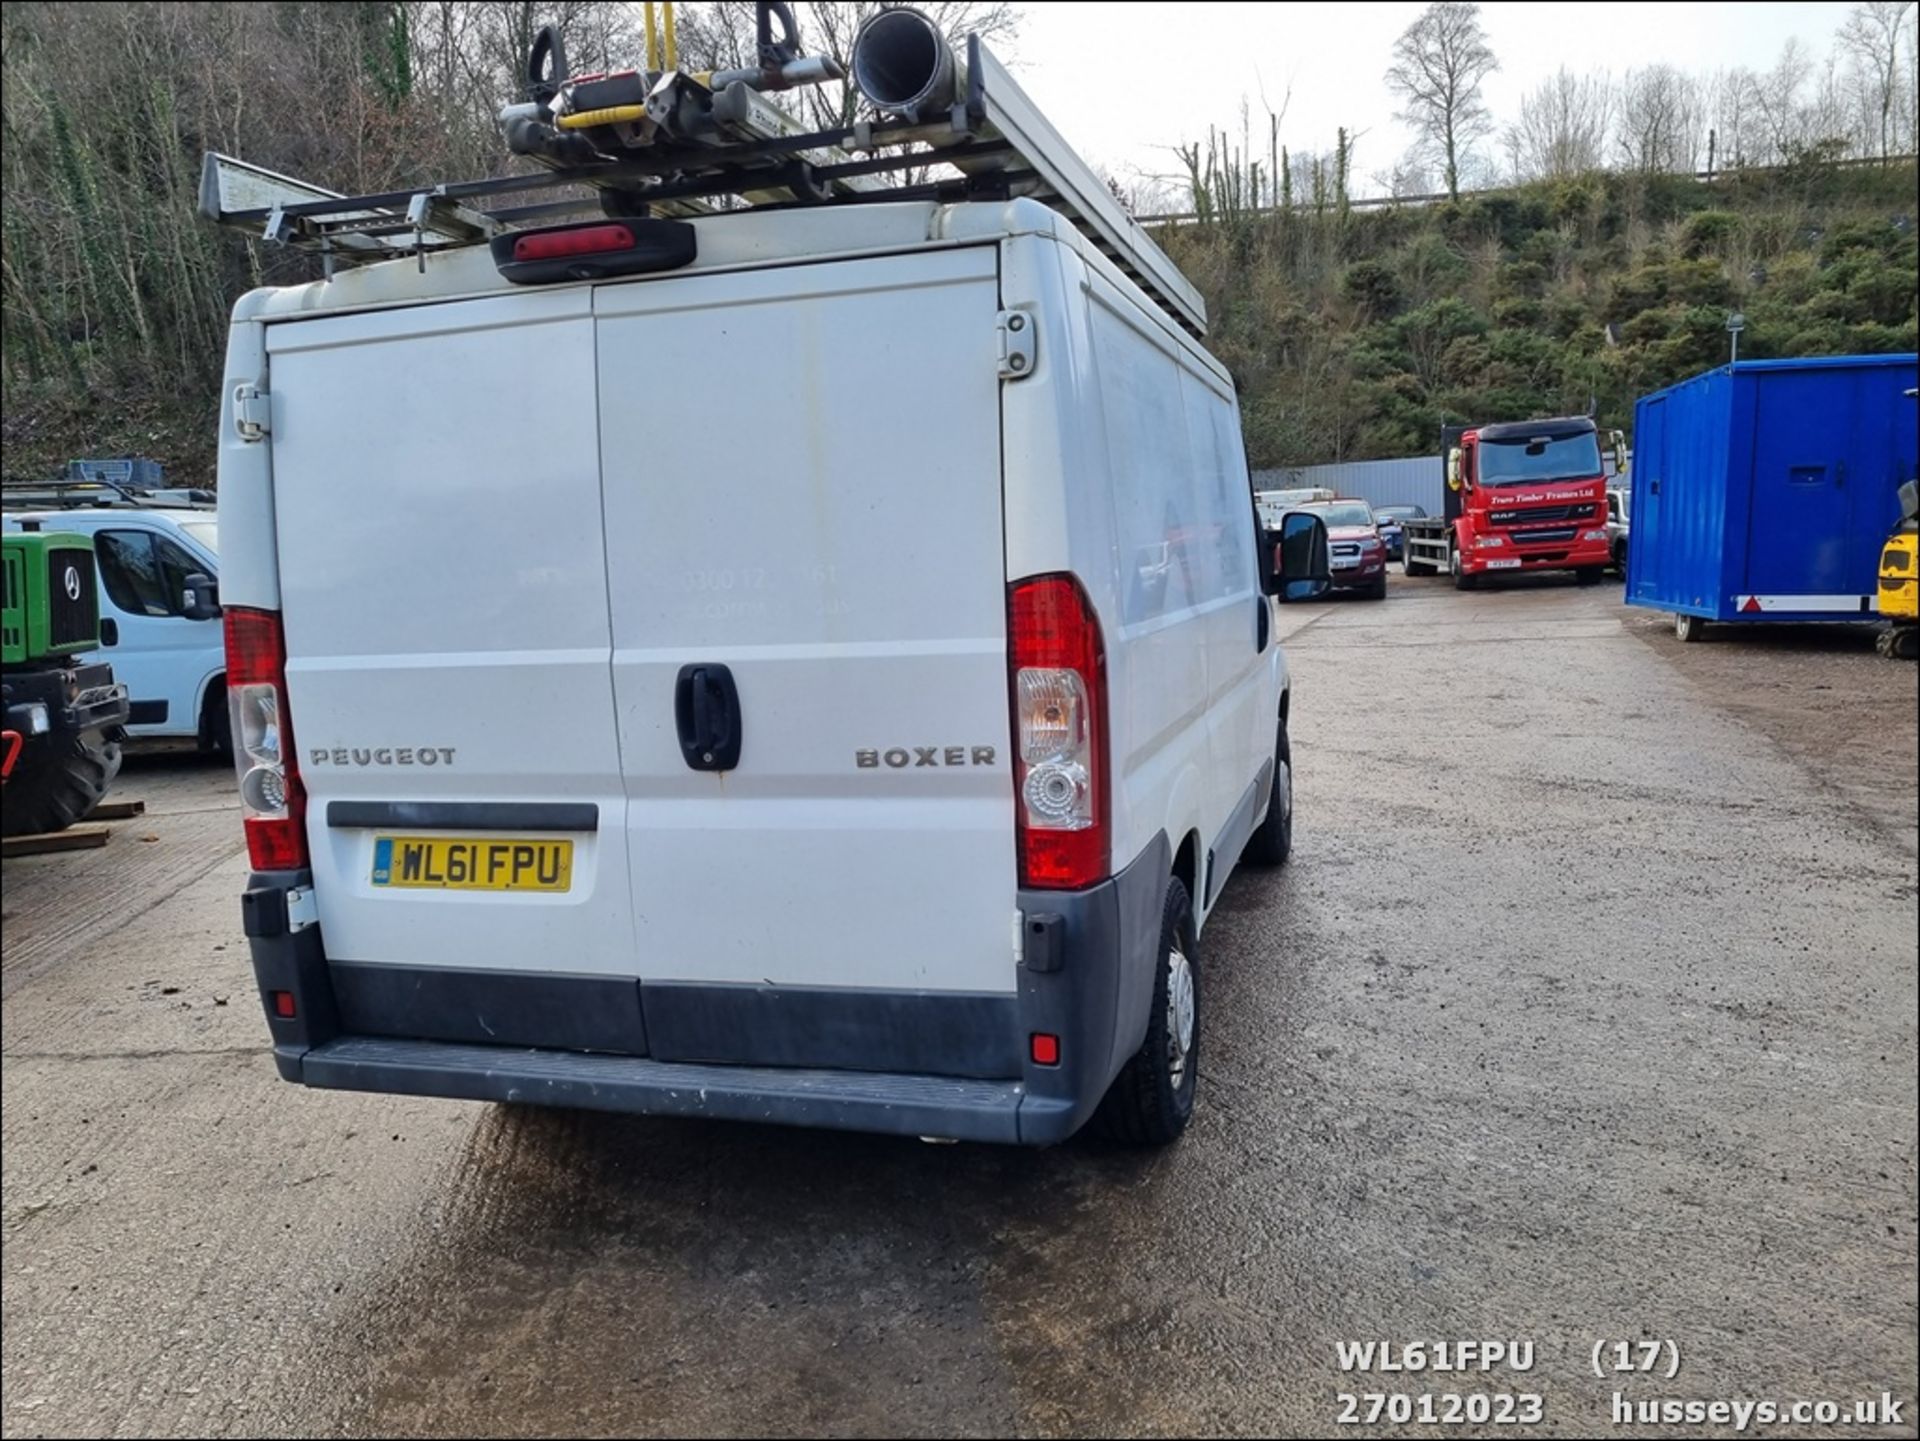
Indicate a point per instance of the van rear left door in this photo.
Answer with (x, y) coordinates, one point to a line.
(436, 476)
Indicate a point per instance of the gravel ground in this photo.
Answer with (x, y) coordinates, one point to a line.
(1585, 1010)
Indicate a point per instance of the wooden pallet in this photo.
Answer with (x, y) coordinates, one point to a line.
(83, 837)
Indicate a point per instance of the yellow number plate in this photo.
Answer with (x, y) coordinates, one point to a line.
(472, 863)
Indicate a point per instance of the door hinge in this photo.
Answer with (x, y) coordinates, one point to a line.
(252, 412)
(302, 911)
(1017, 344)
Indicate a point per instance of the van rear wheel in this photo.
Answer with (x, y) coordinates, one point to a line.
(1151, 1100)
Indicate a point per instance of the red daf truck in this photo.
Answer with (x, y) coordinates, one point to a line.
(1522, 496)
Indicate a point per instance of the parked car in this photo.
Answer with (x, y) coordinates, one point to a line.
(1358, 556)
(1388, 518)
(160, 632)
(1273, 504)
(1619, 511)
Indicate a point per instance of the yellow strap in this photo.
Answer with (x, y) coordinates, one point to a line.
(673, 48)
(612, 115)
(653, 40)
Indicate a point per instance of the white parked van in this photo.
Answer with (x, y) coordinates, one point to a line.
(824, 677)
(161, 634)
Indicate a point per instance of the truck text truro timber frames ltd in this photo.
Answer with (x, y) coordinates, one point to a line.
(1525, 496)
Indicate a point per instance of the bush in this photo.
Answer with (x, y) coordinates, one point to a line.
(1707, 230)
(1372, 287)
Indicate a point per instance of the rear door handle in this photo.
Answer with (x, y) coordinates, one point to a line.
(706, 708)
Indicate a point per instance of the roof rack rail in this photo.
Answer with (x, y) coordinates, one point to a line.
(87, 494)
(671, 142)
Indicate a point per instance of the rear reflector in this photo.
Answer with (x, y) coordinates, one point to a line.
(283, 1006)
(1046, 1049)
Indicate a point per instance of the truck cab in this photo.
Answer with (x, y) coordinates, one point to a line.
(1521, 496)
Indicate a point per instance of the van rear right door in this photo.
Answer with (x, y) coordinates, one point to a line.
(802, 479)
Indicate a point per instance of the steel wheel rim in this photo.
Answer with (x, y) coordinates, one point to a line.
(1284, 790)
(1180, 1016)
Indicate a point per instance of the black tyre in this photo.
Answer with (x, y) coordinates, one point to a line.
(216, 720)
(1410, 566)
(59, 778)
(1590, 574)
(1689, 627)
(1272, 840)
(1378, 590)
(1461, 579)
(1151, 1100)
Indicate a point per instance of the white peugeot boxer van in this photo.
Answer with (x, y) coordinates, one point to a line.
(808, 663)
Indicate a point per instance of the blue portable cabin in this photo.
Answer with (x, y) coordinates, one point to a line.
(1764, 490)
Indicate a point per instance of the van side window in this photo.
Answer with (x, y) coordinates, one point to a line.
(144, 574)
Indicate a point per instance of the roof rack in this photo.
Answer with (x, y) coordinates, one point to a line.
(672, 142)
(96, 494)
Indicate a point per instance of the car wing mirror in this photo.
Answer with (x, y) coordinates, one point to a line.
(200, 597)
(1302, 569)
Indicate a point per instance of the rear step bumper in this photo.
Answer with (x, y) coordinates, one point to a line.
(966, 1110)
(1085, 978)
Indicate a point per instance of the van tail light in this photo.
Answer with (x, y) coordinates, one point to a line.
(273, 803)
(1062, 819)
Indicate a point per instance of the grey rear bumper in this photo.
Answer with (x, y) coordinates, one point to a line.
(967, 1110)
(895, 1062)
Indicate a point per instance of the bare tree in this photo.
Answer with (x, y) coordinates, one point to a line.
(1409, 176)
(1439, 62)
(1562, 129)
(1659, 119)
(1872, 38)
(1778, 101)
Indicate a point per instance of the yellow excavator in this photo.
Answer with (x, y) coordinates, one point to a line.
(1900, 576)
(1900, 580)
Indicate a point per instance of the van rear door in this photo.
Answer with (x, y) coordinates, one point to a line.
(443, 581)
(802, 472)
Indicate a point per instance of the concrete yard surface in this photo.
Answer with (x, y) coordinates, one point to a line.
(1585, 1011)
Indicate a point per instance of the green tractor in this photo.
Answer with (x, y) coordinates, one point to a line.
(63, 718)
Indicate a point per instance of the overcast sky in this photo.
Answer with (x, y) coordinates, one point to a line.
(1123, 94)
